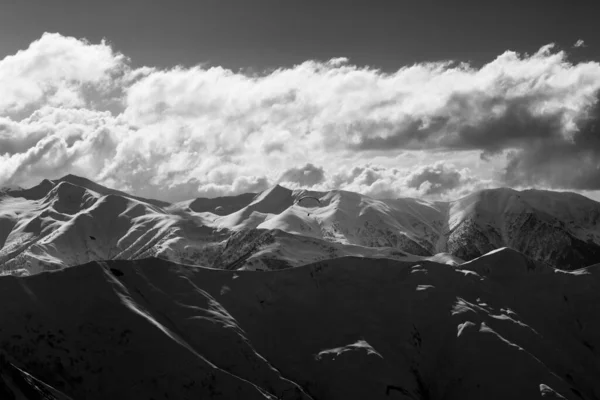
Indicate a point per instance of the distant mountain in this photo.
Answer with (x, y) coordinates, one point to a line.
(499, 327)
(561, 229)
(41, 190)
(72, 220)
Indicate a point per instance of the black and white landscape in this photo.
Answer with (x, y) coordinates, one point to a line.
(311, 200)
(358, 298)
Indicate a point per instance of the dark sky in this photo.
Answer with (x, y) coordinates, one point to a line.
(259, 34)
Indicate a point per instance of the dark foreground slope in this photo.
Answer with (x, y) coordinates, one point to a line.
(502, 327)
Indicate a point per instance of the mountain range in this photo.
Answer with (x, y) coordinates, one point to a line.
(293, 294)
(72, 220)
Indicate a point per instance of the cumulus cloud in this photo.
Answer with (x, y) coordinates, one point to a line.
(53, 142)
(198, 131)
(56, 70)
(438, 178)
(559, 162)
(306, 176)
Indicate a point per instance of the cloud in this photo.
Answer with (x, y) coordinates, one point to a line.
(169, 133)
(372, 180)
(438, 178)
(306, 176)
(572, 163)
(56, 70)
(53, 142)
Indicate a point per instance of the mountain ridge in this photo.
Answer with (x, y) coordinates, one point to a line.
(345, 328)
(72, 220)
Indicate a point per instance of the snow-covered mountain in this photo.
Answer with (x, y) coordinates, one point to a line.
(72, 220)
(399, 298)
(562, 229)
(499, 327)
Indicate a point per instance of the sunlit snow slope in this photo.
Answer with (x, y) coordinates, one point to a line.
(498, 327)
(72, 221)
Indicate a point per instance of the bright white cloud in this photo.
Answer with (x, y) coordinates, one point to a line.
(56, 70)
(186, 132)
(439, 180)
(53, 142)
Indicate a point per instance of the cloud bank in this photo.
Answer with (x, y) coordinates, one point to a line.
(436, 129)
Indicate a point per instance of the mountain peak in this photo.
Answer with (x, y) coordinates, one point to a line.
(273, 200)
(276, 191)
(36, 192)
(75, 180)
(277, 188)
(103, 190)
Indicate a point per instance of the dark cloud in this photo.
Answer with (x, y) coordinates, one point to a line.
(560, 162)
(542, 150)
(308, 175)
(468, 121)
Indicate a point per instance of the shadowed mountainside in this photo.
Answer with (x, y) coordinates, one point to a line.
(501, 326)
